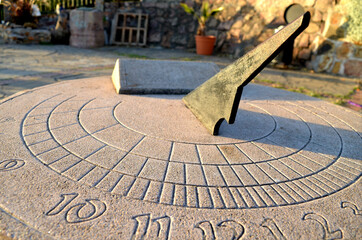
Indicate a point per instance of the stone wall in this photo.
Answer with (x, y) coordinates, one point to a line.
(19, 34)
(240, 27)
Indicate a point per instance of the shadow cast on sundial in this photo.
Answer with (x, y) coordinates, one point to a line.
(279, 129)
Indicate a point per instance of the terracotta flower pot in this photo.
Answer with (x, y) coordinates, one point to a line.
(205, 44)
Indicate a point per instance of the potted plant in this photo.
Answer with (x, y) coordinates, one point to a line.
(204, 44)
(23, 11)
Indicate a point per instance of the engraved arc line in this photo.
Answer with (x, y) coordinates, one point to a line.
(328, 192)
(235, 142)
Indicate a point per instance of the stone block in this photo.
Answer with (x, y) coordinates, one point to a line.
(156, 76)
(304, 54)
(312, 28)
(336, 68)
(304, 40)
(344, 50)
(353, 68)
(358, 52)
(325, 47)
(317, 16)
(324, 62)
(154, 37)
(86, 28)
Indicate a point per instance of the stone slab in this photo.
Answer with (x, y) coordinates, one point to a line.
(160, 76)
(78, 161)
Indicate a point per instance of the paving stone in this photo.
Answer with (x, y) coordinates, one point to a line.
(79, 161)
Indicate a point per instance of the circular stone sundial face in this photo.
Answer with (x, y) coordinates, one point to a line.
(284, 151)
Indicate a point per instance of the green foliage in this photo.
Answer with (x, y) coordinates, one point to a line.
(354, 28)
(203, 15)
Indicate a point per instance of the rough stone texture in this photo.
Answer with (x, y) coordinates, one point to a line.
(17, 34)
(86, 28)
(353, 68)
(79, 161)
(238, 28)
(155, 76)
(337, 57)
(344, 50)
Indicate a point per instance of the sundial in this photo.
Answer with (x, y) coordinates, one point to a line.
(79, 161)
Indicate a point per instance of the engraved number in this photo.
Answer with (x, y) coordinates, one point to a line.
(12, 164)
(81, 212)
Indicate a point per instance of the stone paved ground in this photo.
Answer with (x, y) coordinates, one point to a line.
(27, 66)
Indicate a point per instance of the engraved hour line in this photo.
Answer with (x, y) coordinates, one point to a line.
(232, 169)
(300, 182)
(261, 168)
(81, 125)
(69, 167)
(32, 124)
(257, 194)
(248, 194)
(241, 197)
(304, 195)
(145, 190)
(274, 187)
(85, 174)
(277, 193)
(351, 163)
(283, 188)
(335, 175)
(40, 142)
(331, 125)
(56, 160)
(129, 152)
(197, 198)
(221, 198)
(341, 120)
(317, 187)
(292, 190)
(222, 177)
(168, 161)
(95, 151)
(101, 178)
(116, 183)
(344, 163)
(246, 155)
(173, 195)
(134, 180)
(26, 116)
(326, 180)
(185, 196)
(130, 186)
(302, 165)
(247, 169)
(211, 200)
(232, 197)
(268, 195)
(302, 190)
(319, 183)
(201, 165)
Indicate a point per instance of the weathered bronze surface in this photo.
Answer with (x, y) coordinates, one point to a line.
(218, 98)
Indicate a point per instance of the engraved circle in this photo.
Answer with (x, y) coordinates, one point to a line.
(300, 160)
(171, 120)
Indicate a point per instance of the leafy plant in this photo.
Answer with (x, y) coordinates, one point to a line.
(21, 10)
(354, 10)
(203, 15)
